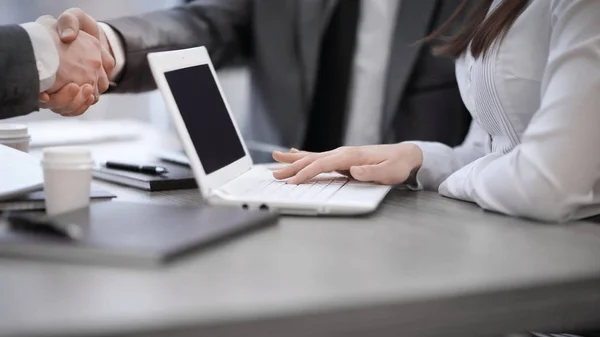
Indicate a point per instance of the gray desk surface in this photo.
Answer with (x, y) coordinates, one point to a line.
(421, 266)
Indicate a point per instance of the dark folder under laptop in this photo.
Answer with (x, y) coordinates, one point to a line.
(138, 235)
(179, 177)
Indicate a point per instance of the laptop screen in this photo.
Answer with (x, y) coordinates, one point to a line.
(205, 116)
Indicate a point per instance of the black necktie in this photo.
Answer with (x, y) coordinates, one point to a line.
(327, 118)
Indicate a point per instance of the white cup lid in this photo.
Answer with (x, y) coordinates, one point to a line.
(12, 131)
(67, 155)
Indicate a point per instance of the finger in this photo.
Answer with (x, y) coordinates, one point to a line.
(68, 27)
(72, 21)
(295, 155)
(335, 162)
(289, 157)
(296, 159)
(344, 172)
(103, 82)
(81, 110)
(63, 97)
(296, 166)
(82, 98)
(108, 63)
(385, 173)
(44, 98)
(96, 92)
(85, 92)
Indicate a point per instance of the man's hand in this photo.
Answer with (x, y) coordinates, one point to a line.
(78, 35)
(69, 25)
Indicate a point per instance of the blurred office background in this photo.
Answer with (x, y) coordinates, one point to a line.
(147, 107)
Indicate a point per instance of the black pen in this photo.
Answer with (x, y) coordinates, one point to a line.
(39, 225)
(136, 168)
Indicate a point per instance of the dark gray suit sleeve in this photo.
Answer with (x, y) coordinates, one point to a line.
(223, 26)
(19, 79)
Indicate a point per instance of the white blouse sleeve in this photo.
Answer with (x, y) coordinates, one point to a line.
(552, 173)
(440, 160)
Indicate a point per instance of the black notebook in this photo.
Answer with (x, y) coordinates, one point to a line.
(179, 177)
(137, 235)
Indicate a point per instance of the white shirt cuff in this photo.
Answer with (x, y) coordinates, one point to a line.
(46, 55)
(117, 47)
(436, 166)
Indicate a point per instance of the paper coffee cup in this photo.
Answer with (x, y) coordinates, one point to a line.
(15, 136)
(67, 179)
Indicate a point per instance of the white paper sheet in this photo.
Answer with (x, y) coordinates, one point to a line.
(79, 132)
(19, 173)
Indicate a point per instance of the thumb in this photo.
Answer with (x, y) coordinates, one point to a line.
(72, 21)
(383, 173)
(44, 97)
(68, 27)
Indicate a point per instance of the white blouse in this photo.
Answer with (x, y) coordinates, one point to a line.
(533, 148)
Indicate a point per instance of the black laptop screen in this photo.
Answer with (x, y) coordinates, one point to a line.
(206, 118)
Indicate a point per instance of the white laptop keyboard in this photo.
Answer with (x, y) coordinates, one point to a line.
(263, 186)
(316, 190)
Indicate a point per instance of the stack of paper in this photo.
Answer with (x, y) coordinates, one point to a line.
(20, 173)
(78, 132)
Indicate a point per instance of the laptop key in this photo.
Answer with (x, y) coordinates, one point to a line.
(358, 192)
(330, 190)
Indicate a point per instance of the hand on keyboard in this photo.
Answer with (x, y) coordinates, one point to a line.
(260, 184)
(383, 164)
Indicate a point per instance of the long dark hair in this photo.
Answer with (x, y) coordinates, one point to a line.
(479, 30)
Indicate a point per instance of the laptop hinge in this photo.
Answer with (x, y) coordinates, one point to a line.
(218, 194)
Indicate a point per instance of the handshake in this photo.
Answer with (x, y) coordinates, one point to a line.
(86, 63)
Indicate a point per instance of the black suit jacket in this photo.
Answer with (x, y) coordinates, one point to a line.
(425, 103)
(19, 79)
(279, 40)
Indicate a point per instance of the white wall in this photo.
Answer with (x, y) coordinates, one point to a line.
(147, 107)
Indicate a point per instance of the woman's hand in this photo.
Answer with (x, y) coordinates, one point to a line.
(382, 164)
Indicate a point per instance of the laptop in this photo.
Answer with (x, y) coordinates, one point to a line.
(219, 157)
(260, 153)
